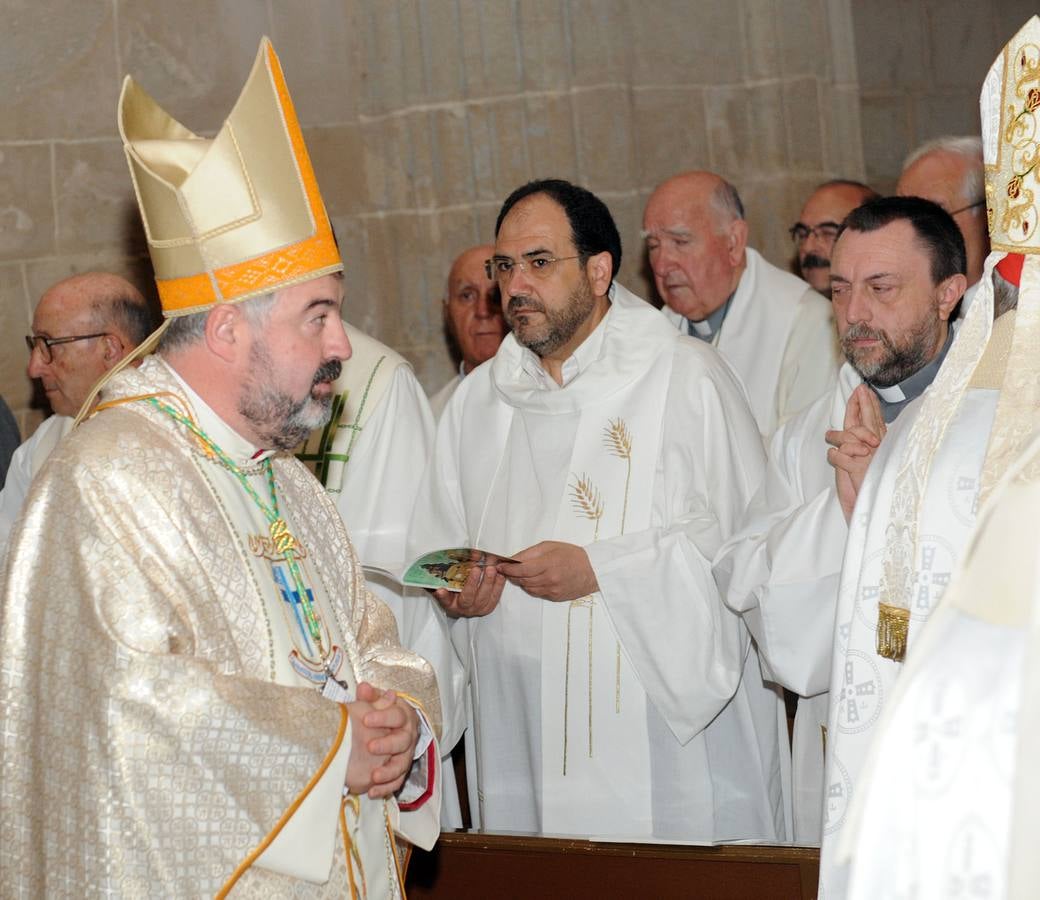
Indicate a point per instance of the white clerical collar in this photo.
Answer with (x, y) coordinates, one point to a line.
(893, 394)
(586, 354)
(241, 451)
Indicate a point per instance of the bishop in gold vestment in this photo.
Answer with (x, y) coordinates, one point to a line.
(196, 687)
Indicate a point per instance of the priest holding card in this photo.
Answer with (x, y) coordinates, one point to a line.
(611, 691)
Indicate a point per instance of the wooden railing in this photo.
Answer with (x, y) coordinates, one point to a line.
(473, 865)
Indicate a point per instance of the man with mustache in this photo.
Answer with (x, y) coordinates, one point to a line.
(608, 454)
(774, 330)
(198, 691)
(817, 226)
(898, 272)
(473, 322)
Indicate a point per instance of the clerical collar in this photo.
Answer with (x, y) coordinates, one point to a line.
(583, 357)
(708, 328)
(895, 397)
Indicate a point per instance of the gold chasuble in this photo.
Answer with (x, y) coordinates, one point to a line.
(163, 734)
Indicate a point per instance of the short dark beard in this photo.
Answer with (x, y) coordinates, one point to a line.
(560, 325)
(280, 422)
(899, 362)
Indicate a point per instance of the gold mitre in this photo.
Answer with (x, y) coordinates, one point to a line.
(1009, 104)
(235, 216)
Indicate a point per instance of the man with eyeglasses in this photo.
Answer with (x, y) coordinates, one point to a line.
(82, 327)
(949, 171)
(776, 332)
(817, 226)
(473, 323)
(611, 692)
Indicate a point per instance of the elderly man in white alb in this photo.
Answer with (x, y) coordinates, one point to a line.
(948, 171)
(82, 327)
(199, 694)
(473, 323)
(781, 570)
(370, 457)
(611, 690)
(947, 799)
(776, 332)
(917, 505)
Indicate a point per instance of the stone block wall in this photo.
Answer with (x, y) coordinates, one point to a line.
(921, 80)
(422, 115)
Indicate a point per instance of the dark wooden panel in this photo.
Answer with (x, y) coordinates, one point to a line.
(465, 865)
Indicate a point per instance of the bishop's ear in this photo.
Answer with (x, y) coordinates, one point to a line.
(226, 327)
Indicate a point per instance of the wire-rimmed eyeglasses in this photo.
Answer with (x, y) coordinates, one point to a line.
(825, 231)
(501, 268)
(44, 344)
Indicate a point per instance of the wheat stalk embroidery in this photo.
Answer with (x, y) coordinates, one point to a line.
(587, 502)
(618, 440)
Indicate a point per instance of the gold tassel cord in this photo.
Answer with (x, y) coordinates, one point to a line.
(892, 629)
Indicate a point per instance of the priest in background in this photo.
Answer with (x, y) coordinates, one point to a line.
(473, 323)
(609, 455)
(776, 332)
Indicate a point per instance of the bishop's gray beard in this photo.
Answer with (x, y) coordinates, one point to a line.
(281, 422)
(559, 325)
(898, 361)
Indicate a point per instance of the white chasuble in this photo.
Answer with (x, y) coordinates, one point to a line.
(191, 750)
(645, 457)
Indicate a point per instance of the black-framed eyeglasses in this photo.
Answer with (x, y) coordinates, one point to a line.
(825, 231)
(981, 202)
(44, 344)
(501, 268)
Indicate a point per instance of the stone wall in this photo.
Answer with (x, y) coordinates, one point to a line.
(421, 115)
(921, 80)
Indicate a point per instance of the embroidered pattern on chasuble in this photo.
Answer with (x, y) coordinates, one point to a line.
(594, 716)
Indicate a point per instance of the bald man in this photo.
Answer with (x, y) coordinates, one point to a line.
(948, 171)
(818, 224)
(773, 329)
(82, 327)
(473, 323)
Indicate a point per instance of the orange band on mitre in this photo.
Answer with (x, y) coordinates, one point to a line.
(310, 258)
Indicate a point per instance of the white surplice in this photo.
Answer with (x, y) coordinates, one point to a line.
(389, 445)
(649, 688)
(25, 463)
(779, 336)
(781, 572)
